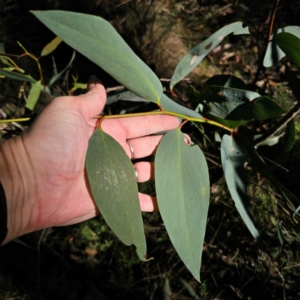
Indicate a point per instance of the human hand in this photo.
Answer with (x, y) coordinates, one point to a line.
(54, 188)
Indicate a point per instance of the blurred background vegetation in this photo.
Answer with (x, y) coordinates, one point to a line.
(86, 261)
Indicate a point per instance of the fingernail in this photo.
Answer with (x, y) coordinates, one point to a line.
(187, 139)
(92, 81)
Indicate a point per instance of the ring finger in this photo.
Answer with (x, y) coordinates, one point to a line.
(143, 146)
(144, 171)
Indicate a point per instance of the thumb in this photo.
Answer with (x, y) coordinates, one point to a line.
(92, 103)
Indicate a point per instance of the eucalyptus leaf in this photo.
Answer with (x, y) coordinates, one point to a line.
(49, 48)
(124, 95)
(167, 290)
(265, 108)
(226, 81)
(9, 62)
(230, 103)
(78, 85)
(234, 156)
(260, 164)
(194, 56)
(182, 188)
(289, 137)
(274, 53)
(296, 213)
(17, 76)
(279, 233)
(272, 141)
(96, 39)
(18, 241)
(34, 95)
(235, 105)
(189, 288)
(169, 105)
(113, 185)
(55, 77)
(287, 142)
(290, 45)
(227, 123)
(256, 159)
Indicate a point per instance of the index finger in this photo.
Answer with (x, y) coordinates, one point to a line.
(133, 127)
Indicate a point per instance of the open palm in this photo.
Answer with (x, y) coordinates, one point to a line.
(57, 143)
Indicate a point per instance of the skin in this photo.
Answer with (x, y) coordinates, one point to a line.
(43, 170)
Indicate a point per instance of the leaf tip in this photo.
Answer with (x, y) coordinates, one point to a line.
(197, 276)
(143, 257)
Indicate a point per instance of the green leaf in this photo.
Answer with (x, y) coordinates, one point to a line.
(169, 105)
(10, 63)
(167, 290)
(182, 188)
(260, 164)
(274, 53)
(18, 241)
(189, 288)
(124, 95)
(227, 123)
(226, 81)
(6, 61)
(96, 39)
(55, 77)
(272, 141)
(287, 142)
(17, 76)
(234, 156)
(34, 95)
(78, 85)
(279, 233)
(296, 213)
(289, 137)
(265, 108)
(256, 159)
(113, 185)
(194, 56)
(290, 45)
(49, 48)
(230, 103)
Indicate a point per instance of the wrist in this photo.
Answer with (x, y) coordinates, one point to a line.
(18, 183)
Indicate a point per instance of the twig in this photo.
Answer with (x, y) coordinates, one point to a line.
(148, 8)
(213, 162)
(54, 65)
(260, 66)
(120, 4)
(288, 117)
(276, 164)
(116, 88)
(265, 188)
(169, 79)
(293, 266)
(218, 229)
